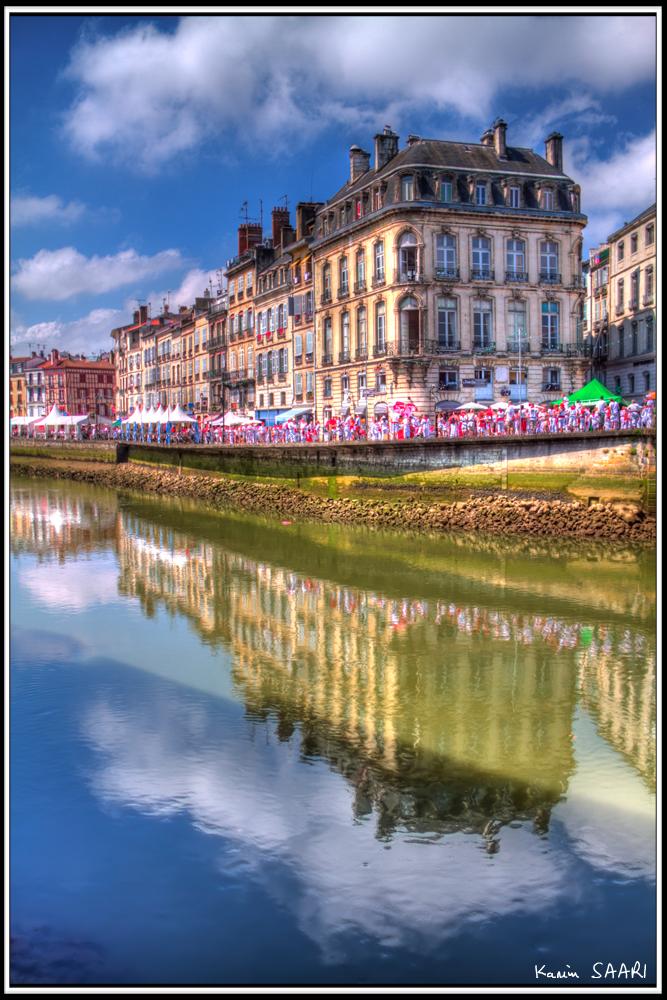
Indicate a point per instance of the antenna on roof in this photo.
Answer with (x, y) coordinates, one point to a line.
(311, 185)
(261, 214)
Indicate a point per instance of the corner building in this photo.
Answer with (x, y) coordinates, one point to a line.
(447, 273)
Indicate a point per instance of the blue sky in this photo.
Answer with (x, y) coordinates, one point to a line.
(134, 141)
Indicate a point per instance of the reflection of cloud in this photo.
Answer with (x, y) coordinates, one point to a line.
(282, 811)
(73, 586)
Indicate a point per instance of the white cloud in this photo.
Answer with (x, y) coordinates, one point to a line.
(192, 286)
(55, 275)
(145, 95)
(74, 586)
(27, 210)
(88, 335)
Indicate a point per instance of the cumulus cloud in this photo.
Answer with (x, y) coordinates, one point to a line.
(28, 210)
(87, 335)
(55, 275)
(145, 95)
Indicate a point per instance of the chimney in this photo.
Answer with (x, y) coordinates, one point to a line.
(143, 314)
(287, 236)
(386, 147)
(54, 355)
(553, 146)
(487, 138)
(136, 316)
(499, 132)
(360, 161)
(279, 219)
(34, 354)
(412, 139)
(250, 234)
(305, 213)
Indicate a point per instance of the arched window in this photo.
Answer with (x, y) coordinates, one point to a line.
(409, 325)
(361, 333)
(380, 346)
(408, 257)
(343, 284)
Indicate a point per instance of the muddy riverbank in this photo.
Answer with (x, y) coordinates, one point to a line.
(500, 513)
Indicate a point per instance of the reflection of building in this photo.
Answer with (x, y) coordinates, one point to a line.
(617, 678)
(57, 524)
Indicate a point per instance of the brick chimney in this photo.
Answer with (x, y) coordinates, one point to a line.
(386, 147)
(499, 133)
(279, 219)
(487, 138)
(250, 234)
(305, 213)
(54, 355)
(360, 161)
(553, 146)
(143, 314)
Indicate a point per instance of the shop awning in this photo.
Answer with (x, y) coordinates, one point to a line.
(296, 411)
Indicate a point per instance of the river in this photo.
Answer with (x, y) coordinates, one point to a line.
(245, 751)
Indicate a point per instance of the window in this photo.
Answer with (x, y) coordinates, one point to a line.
(448, 379)
(232, 289)
(634, 290)
(447, 324)
(515, 193)
(516, 260)
(343, 287)
(635, 339)
(298, 349)
(648, 284)
(445, 257)
(361, 332)
(325, 227)
(481, 323)
(516, 333)
(548, 201)
(480, 194)
(298, 385)
(617, 383)
(634, 243)
(357, 211)
(551, 378)
(631, 383)
(328, 387)
(549, 326)
(380, 329)
(549, 262)
(345, 383)
(326, 280)
(409, 325)
(621, 341)
(327, 344)
(408, 256)
(378, 201)
(620, 251)
(379, 260)
(647, 381)
(518, 387)
(481, 258)
(446, 191)
(649, 333)
(407, 189)
(361, 269)
(342, 216)
(380, 381)
(649, 235)
(345, 337)
(620, 292)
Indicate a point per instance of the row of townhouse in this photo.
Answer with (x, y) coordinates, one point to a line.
(621, 308)
(74, 384)
(447, 272)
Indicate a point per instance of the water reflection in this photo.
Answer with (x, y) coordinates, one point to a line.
(442, 682)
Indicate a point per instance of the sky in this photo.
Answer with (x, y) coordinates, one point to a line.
(134, 142)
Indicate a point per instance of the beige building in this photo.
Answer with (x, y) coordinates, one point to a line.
(449, 272)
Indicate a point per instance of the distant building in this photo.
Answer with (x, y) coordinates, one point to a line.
(27, 394)
(79, 386)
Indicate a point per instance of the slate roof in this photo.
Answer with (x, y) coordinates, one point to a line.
(460, 156)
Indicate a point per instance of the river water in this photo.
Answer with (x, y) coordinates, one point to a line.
(251, 752)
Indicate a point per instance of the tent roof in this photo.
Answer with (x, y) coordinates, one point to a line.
(592, 392)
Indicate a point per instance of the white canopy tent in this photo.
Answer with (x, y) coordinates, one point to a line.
(233, 420)
(25, 421)
(133, 418)
(179, 416)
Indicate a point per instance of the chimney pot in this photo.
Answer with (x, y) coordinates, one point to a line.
(386, 147)
(360, 161)
(499, 133)
(553, 146)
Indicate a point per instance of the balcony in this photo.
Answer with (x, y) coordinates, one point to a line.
(577, 281)
(361, 354)
(648, 299)
(282, 376)
(281, 331)
(343, 357)
(327, 358)
(297, 320)
(443, 273)
(633, 305)
(378, 280)
(359, 286)
(620, 308)
(309, 357)
(403, 275)
(308, 316)
(514, 346)
(551, 348)
(516, 276)
(551, 278)
(551, 387)
(380, 350)
(239, 294)
(298, 397)
(482, 347)
(325, 297)
(599, 291)
(232, 299)
(343, 292)
(442, 346)
(482, 274)
(298, 360)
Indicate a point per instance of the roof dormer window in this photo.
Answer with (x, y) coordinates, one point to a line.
(407, 188)
(480, 193)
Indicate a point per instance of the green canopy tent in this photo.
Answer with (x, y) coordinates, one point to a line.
(592, 393)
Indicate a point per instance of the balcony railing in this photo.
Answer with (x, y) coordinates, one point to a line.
(282, 376)
(343, 357)
(648, 299)
(481, 347)
(577, 281)
(551, 348)
(327, 358)
(447, 272)
(298, 360)
(551, 387)
(620, 308)
(633, 305)
(359, 286)
(380, 350)
(482, 274)
(325, 297)
(298, 397)
(516, 276)
(513, 346)
(343, 292)
(360, 354)
(408, 274)
(378, 280)
(441, 346)
(297, 320)
(550, 278)
(309, 357)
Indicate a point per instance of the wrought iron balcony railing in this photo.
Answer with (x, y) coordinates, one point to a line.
(447, 272)
(482, 274)
(516, 276)
(551, 278)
